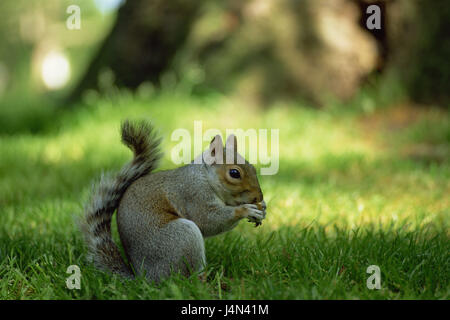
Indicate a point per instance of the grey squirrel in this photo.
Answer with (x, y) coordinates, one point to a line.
(162, 217)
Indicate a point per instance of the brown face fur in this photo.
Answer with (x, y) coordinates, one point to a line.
(235, 190)
(244, 189)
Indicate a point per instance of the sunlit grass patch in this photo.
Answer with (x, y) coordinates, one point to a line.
(345, 197)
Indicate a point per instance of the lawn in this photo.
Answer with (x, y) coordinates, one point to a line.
(360, 187)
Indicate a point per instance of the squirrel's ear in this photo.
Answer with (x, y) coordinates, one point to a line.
(231, 143)
(214, 154)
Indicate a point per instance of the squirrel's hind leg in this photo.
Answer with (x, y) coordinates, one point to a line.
(176, 247)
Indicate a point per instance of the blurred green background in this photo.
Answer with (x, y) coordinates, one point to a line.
(364, 137)
(261, 52)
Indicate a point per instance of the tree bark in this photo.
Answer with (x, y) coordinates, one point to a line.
(141, 44)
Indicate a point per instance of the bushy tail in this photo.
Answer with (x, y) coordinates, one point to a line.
(96, 226)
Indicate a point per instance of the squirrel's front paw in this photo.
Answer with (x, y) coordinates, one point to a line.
(252, 212)
(262, 206)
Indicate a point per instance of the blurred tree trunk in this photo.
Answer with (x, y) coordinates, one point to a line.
(141, 44)
(420, 48)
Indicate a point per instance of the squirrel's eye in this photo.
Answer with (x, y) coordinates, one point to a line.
(234, 173)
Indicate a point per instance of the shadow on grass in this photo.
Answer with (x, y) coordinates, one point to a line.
(28, 114)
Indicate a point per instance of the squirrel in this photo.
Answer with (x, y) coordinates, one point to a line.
(163, 217)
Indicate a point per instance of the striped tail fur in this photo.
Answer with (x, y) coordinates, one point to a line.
(96, 225)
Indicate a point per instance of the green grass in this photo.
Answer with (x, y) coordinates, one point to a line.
(350, 193)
